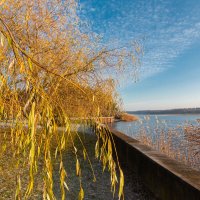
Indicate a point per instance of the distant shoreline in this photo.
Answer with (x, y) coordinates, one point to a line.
(183, 111)
(135, 114)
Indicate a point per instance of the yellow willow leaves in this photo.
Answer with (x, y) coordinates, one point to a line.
(78, 169)
(3, 148)
(18, 190)
(68, 81)
(121, 184)
(56, 152)
(106, 156)
(32, 164)
(97, 149)
(38, 151)
(1, 55)
(63, 143)
(1, 111)
(30, 187)
(114, 179)
(2, 80)
(66, 186)
(81, 194)
(2, 39)
(10, 67)
(109, 149)
(63, 184)
(48, 179)
(2, 2)
(84, 154)
(30, 64)
(9, 41)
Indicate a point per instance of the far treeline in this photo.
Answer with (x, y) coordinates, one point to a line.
(53, 69)
(171, 111)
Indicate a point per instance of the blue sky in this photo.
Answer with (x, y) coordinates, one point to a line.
(170, 32)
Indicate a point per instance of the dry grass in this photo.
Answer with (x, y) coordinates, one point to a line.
(180, 143)
(128, 117)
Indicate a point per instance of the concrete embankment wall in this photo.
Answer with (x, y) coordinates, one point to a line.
(165, 177)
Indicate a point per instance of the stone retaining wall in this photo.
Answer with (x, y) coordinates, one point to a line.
(166, 178)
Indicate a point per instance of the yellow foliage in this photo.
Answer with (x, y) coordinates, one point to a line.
(51, 72)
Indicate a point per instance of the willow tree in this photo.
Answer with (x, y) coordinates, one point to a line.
(51, 70)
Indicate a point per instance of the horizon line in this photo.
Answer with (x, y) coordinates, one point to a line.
(163, 109)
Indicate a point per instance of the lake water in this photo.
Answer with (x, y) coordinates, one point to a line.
(152, 122)
(175, 135)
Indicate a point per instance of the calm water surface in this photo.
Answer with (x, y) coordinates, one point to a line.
(156, 122)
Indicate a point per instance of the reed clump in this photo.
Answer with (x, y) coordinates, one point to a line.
(181, 142)
(127, 117)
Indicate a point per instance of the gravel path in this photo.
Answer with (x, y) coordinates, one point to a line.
(99, 190)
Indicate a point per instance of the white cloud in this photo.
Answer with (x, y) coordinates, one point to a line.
(168, 30)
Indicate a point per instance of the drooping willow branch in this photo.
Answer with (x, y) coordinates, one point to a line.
(72, 83)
